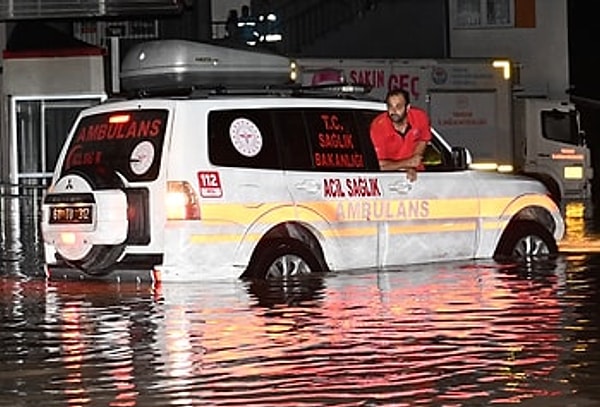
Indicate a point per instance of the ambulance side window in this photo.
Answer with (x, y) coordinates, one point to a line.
(242, 138)
(290, 127)
(363, 120)
(437, 157)
(337, 142)
(433, 158)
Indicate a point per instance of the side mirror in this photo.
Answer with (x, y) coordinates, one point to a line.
(582, 141)
(461, 158)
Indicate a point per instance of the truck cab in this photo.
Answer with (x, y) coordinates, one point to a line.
(550, 146)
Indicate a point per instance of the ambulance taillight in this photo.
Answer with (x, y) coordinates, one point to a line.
(182, 201)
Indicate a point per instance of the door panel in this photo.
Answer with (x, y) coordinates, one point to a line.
(346, 210)
(434, 218)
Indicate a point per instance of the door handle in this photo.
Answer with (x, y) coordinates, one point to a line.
(308, 185)
(401, 187)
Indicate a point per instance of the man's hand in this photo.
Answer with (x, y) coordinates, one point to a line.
(411, 174)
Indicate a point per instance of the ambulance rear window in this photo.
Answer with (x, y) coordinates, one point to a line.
(126, 142)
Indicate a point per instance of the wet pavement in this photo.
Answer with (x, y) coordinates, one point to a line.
(452, 334)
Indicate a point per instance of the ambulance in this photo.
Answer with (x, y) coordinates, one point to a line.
(217, 166)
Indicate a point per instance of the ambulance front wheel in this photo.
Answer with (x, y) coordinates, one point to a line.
(525, 241)
(281, 259)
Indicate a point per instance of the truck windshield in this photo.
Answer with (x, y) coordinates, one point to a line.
(562, 126)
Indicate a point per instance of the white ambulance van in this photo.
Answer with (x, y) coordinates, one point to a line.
(198, 176)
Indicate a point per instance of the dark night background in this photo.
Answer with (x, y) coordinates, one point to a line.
(583, 72)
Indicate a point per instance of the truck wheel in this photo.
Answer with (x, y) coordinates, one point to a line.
(526, 240)
(281, 259)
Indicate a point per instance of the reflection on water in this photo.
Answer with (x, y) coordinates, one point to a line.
(465, 334)
(453, 335)
(581, 234)
(20, 236)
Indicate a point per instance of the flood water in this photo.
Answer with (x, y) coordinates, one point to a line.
(457, 334)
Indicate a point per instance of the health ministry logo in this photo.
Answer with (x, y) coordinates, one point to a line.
(439, 76)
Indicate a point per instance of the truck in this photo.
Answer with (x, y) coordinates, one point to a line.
(476, 103)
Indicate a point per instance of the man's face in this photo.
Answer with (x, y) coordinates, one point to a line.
(396, 107)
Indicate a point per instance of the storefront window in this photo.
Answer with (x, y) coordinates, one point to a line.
(482, 13)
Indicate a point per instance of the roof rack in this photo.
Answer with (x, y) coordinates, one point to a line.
(180, 65)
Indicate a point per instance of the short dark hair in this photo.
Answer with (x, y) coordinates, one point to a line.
(398, 92)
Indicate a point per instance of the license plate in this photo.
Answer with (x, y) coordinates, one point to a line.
(71, 214)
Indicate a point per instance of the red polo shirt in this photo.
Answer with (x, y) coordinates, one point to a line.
(391, 145)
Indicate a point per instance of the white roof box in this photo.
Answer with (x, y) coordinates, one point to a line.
(178, 64)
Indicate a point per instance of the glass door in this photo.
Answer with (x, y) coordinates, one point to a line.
(39, 127)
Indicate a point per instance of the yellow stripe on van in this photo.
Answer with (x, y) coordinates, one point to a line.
(498, 224)
(350, 232)
(222, 238)
(495, 207)
(434, 228)
(335, 218)
(370, 210)
(366, 210)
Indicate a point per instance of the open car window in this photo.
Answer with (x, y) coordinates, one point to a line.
(438, 156)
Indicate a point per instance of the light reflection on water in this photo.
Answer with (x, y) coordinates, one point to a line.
(464, 334)
(20, 236)
(453, 335)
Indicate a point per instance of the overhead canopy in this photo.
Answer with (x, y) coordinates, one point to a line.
(39, 39)
(41, 60)
(44, 9)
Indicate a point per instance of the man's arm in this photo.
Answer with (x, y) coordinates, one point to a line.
(412, 162)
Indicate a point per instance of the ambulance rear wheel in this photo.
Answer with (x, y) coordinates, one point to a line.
(100, 260)
(282, 259)
(525, 241)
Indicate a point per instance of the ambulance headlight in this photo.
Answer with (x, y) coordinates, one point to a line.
(507, 168)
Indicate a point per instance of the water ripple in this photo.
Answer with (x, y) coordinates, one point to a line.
(439, 335)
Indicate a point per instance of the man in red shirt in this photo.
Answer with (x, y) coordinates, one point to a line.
(401, 134)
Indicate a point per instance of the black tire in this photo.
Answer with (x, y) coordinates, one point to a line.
(526, 240)
(281, 259)
(100, 260)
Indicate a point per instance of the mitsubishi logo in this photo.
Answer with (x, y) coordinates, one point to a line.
(69, 184)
